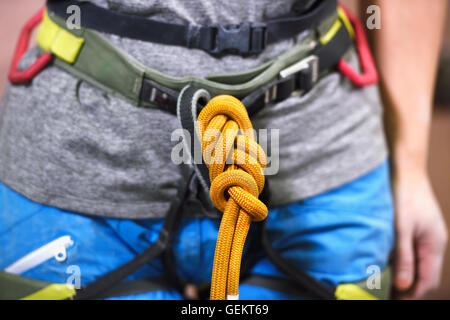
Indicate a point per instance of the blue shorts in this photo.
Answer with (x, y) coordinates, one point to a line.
(335, 237)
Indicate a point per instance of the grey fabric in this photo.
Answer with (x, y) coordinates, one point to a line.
(67, 144)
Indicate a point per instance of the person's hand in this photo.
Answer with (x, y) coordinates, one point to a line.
(421, 236)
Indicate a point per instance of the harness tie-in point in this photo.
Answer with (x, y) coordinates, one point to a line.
(236, 165)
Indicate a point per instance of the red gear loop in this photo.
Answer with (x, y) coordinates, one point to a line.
(370, 74)
(21, 76)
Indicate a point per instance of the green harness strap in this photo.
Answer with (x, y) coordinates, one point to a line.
(15, 287)
(89, 56)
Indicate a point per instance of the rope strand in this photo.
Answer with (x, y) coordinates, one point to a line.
(236, 166)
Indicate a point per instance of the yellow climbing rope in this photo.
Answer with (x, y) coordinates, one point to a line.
(236, 165)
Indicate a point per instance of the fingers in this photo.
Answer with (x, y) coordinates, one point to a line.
(191, 292)
(421, 239)
(429, 271)
(404, 267)
(428, 255)
(430, 259)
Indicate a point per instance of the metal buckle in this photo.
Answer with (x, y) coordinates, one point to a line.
(245, 38)
(310, 62)
(271, 94)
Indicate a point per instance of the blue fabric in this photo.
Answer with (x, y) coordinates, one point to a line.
(334, 236)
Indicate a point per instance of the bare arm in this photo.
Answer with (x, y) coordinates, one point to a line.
(406, 50)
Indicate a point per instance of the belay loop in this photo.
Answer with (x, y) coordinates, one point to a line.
(236, 169)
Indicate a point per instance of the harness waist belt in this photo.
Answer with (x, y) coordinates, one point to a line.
(89, 56)
(246, 38)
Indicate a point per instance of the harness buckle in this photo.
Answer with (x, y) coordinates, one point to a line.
(245, 38)
(306, 71)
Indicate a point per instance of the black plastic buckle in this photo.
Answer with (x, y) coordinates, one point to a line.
(246, 38)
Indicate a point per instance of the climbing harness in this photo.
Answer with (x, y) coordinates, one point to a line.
(220, 124)
(244, 39)
(15, 287)
(90, 57)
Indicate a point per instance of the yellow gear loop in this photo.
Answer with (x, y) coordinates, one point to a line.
(236, 165)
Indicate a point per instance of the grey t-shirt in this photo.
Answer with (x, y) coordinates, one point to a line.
(67, 144)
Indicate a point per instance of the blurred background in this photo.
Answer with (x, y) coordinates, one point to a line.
(15, 13)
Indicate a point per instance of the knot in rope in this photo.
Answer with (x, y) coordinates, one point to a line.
(236, 164)
(235, 160)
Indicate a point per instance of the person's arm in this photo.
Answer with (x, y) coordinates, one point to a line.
(406, 50)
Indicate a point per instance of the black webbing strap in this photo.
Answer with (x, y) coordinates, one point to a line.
(284, 285)
(136, 287)
(297, 275)
(159, 95)
(107, 281)
(246, 38)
